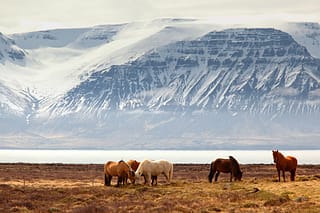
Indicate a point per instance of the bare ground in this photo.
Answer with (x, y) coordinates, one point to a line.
(79, 188)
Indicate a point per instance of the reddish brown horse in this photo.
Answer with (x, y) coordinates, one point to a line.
(230, 165)
(134, 164)
(120, 169)
(283, 164)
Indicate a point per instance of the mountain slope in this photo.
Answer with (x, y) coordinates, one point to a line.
(9, 51)
(73, 38)
(251, 70)
(306, 34)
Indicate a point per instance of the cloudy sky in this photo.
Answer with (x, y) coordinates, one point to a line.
(30, 15)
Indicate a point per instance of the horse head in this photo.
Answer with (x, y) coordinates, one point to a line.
(275, 155)
(238, 176)
(128, 170)
(131, 176)
(139, 172)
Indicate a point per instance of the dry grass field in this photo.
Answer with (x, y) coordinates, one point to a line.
(79, 188)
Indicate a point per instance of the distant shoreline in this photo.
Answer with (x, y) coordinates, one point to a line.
(159, 149)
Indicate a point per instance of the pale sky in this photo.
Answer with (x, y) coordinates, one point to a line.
(31, 15)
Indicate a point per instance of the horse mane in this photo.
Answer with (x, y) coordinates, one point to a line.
(280, 154)
(235, 165)
(122, 161)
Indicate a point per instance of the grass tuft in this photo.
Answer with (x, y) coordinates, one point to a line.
(277, 201)
(251, 205)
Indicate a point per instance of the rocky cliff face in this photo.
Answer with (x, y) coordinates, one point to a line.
(237, 70)
(10, 51)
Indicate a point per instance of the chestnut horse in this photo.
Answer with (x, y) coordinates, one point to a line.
(120, 169)
(283, 164)
(230, 165)
(135, 164)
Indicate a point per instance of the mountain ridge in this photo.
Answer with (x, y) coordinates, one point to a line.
(157, 81)
(184, 65)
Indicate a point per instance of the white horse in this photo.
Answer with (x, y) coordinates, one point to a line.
(150, 169)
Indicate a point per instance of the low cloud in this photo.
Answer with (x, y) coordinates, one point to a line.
(41, 15)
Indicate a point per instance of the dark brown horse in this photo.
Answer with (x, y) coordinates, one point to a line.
(120, 169)
(283, 164)
(135, 164)
(230, 165)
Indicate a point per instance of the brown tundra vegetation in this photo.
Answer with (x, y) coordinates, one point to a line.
(80, 188)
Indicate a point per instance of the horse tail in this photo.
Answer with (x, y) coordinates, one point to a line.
(170, 172)
(295, 161)
(212, 171)
(105, 174)
(294, 168)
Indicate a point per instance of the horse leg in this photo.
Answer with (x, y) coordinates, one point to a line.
(284, 175)
(293, 174)
(124, 180)
(211, 173)
(105, 180)
(148, 179)
(216, 176)
(119, 181)
(278, 174)
(231, 176)
(145, 180)
(154, 179)
(110, 178)
(167, 175)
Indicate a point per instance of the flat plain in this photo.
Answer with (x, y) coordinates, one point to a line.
(80, 188)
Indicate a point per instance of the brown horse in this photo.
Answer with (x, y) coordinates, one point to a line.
(120, 169)
(230, 165)
(283, 164)
(135, 164)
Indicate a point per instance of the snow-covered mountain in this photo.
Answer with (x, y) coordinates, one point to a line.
(9, 51)
(73, 38)
(178, 83)
(255, 70)
(307, 34)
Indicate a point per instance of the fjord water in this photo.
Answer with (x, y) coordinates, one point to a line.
(176, 156)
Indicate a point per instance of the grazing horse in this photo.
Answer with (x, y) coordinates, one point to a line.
(120, 169)
(135, 164)
(151, 169)
(230, 165)
(283, 164)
